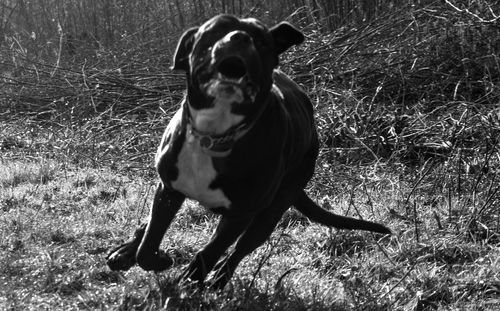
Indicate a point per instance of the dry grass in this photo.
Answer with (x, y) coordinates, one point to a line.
(58, 222)
(407, 108)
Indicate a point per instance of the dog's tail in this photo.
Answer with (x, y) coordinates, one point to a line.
(317, 214)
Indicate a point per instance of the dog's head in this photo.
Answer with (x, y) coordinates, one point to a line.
(229, 64)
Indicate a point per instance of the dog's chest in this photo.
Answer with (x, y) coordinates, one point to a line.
(195, 175)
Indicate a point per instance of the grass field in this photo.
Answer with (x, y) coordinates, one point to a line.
(59, 220)
(407, 106)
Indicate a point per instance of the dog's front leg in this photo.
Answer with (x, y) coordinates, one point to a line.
(166, 203)
(144, 245)
(228, 230)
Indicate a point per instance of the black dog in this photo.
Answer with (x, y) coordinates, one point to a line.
(243, 143)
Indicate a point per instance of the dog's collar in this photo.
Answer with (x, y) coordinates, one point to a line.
(217, 145)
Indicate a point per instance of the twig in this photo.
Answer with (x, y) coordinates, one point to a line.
(399, 282)
(61, 37)
(415, 215)
(480, 19)
(418, 182)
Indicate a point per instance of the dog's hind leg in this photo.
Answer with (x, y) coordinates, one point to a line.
(317, 214)
(228, 230)
(255, 235)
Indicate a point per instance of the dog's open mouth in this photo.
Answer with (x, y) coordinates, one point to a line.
(232, 67)
(230, 80)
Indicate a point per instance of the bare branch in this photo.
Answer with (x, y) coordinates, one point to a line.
(479, 18)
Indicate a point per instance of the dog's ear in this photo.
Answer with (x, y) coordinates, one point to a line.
(181, 55)
(285, 35)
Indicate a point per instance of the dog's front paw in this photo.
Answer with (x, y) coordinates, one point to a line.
(122, 257)
(157, 261)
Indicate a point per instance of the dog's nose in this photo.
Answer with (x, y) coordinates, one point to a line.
(239, 37)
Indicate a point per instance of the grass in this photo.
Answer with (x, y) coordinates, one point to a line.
(58, 221)
(407, 110)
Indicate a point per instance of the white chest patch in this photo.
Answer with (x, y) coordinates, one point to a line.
(196, 173)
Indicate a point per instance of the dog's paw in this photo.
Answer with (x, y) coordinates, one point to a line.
(161, 261)
(153, 260)
(122, 257)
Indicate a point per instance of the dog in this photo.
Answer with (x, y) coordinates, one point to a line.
(243, 143)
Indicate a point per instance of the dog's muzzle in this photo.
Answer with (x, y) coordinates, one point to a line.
(233, 64)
